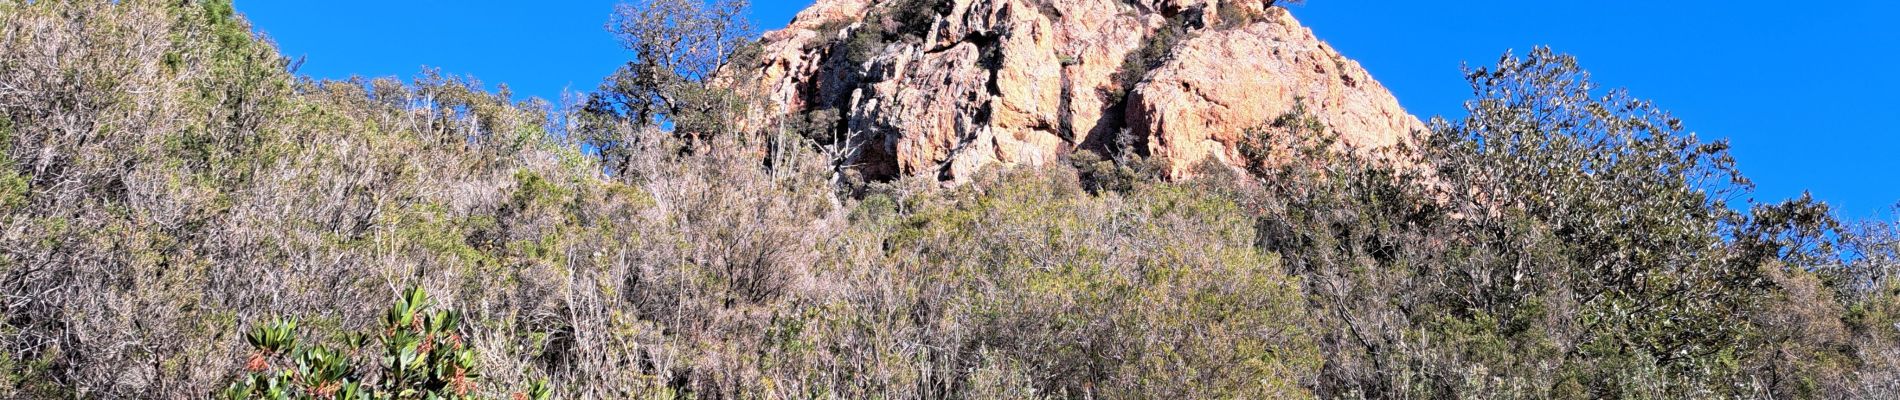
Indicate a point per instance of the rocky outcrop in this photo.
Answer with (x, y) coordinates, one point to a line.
(947, 87)
(1224, 82)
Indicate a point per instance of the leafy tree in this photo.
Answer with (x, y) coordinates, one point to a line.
(1640, 205)
(678, 46)
(1560, 241)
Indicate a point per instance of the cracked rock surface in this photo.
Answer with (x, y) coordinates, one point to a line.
(948, 87)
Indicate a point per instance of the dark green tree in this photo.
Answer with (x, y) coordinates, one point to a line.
(677, 48)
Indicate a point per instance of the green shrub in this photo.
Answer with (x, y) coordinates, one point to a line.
(13, 185)
(916, 18)
(1075, 291)
(1233, 15)
(422, 356)
(1154, 51)
(865, 42)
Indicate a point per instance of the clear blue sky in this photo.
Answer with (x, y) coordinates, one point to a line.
(1807, 93)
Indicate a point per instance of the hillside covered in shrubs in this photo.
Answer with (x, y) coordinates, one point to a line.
(182, 216)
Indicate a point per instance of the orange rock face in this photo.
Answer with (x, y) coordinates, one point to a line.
(1223, 82)
(949, 87)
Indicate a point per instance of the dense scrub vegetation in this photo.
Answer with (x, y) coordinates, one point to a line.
(172, 197)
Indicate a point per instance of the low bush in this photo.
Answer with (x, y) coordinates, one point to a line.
(422, 356)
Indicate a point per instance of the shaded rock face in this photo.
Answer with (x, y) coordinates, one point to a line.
(948, 87)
